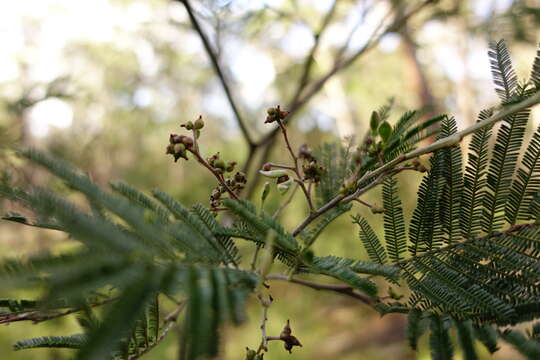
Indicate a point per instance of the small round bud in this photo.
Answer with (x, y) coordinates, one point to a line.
(199, 123)
(230, 166)
(186, 140)
(304, 152)
(188, 125)
(267, 167)
(220, 164)
(283, 114)
(270, 119)
(216, 194)
(376, 209)
(240, 177)
(179, 148)
(271, 111)
(369, 140)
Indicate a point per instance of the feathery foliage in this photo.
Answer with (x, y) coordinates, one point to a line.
(458, 265)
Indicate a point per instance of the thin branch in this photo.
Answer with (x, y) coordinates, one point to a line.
(40, 316)
(267, 142)
(342, 65)
(310, 59)
(388, 168)
(296, 167)
(342, 289)
(264, 338)
(217, 68)
(216, 175)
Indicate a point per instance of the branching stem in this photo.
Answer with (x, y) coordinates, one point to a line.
(388, 168)
(296, 167)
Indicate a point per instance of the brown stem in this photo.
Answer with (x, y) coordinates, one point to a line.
(342, 289)
(40, 316)
(388, 168)
(214, 172)
(296, 167)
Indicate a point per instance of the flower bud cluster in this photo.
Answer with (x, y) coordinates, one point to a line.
(275, 113)
(178, 146)
(194, 125)
(311, 169)
(235, 182)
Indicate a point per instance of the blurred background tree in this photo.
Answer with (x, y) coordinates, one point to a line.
(103, 83)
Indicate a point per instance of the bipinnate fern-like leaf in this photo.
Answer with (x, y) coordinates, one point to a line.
(439, 339)
(425, 229)
(504, 76)
(226, 242)
(453, 185)
(313, 232)
(198, 227)
(340, 268)
(262, 223)
(415, 327)
(370, 240)
(122, 317)
(337, 160)
(466, 339)
(526, 183)
(508, 142)
(69, 342)
(488, 336)
(394, 222)
(215, 297)
(474, 179)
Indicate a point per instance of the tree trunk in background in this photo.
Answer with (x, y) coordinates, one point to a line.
(416, 75)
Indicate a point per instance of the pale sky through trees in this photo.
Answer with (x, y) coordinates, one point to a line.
(38, 33)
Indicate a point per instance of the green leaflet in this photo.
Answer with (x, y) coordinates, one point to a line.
(394, 223)
(474, 179)
(526, 183)
(371, 242)
(466, 339)
(415, 327)
(439, 339)
(530, 348)
(262, 223)
(341, 269)
(70, 342)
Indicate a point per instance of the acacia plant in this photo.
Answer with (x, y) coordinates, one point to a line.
(469, 258)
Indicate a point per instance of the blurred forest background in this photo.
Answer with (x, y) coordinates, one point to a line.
(102, 83)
